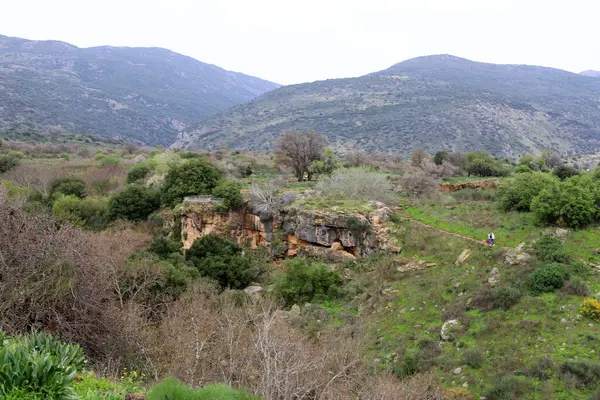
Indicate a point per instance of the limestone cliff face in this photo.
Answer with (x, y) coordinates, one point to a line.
(331, 234)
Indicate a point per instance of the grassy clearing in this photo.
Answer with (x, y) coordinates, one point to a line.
(407, 321)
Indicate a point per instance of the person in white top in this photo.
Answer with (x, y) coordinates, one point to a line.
(491, 238)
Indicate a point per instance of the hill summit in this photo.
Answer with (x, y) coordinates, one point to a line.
(435, 102)
(143, 94)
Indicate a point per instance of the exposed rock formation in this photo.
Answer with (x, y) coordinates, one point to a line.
(456, 186)
(331, 234)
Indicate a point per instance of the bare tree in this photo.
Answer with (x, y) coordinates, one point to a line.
(355, 158)
(418, 157)
(299, 150)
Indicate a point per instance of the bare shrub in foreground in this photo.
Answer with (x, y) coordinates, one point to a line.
(358, 184)
(418, 387)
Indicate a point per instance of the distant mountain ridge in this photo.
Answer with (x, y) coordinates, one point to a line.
(590, 72)
(143, 94)
(436, 102)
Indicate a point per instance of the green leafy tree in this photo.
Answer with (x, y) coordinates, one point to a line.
(68, 207)
(571, 203)
(164, 247)
(481, 163)
(194, 177)
(139, 172)
(231, 193)
(518, 193)
(328, 163)
(69, 187)
(564, 171)
(134, 203)
(7, 163)
(221, 260)
(305, 280)
(440, 157)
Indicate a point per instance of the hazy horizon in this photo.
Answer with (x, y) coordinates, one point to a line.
(321, 39)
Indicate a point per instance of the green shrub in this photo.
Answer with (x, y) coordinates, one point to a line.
(519, 192)
(138, 172)
(474, 358)
(222, 260)
(408, 365)
(65, 156)
(576, 286)
(571, 203)
(583, 374)
(521, 169)
(134, 203)
(172, 389)
(164, 247)
(506, 296)
(194, 177)
(305, 280)
(508, 388)
(231, 193)
(564, 171)
(7, 163)
(542, 368)
(69, 187)
(549, 249)
(38, 364)
(548, 278)
(93, 212)
(68, 208)
(109, 160)
(16, 154)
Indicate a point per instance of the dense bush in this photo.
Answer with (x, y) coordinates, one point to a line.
(508, 388)
(38, 364)
(7, 163)
(305, 280)
(68, 208)
(171, 388)
(542, 368)
(564, 171)
(474, 358)
(580, 373)
(549, 249)
(357, 184)
(548, 278)
(576, 286)
(164, 247)
(519, 192)
(231, 193)
(502, 297)
(193, 177)
(481, 163)
(89, 212)
(420, 185)
(138, 172)
(222, 260)
(134, 203)
(408, 365)
(571, 203)
(68, 187)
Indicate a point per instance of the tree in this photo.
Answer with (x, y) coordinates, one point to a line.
(564, 171)
(551, 160)
(68, 186)
(7, 163)
(440, 157)
(134, 203)
(518, 193)
(571, 203)
(299, 150)
(221, 260)
(418, 157)
(305, 280)
(230, 192)
(481, 163)
(355, 158)
(138, 172)
(328, 163)
(193, 177)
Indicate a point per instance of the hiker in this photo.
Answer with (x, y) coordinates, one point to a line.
(491, 238)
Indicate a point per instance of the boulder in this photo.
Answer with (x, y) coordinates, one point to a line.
(447, 328)
(517, 256)
(494, 277)
(457, 371)
(253, 289)
(463, 257)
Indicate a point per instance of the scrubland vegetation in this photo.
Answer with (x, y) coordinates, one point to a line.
(100, 300)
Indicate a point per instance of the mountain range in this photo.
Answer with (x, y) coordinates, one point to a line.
(434, 102)
(146, 95)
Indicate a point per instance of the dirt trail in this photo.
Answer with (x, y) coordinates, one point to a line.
(468, 238)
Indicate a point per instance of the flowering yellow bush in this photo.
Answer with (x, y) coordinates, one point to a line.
(458, 393)
(590, 308)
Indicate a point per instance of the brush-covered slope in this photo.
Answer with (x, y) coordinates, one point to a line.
(435, 102)
(145, 94)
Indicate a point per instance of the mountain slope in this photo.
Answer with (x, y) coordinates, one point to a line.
(434, 102)
(590, 72)
(147, 94)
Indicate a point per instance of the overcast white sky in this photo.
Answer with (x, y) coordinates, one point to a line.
(291, 42)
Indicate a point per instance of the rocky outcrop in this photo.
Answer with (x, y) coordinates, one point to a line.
(456, 186)
(335, 235)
